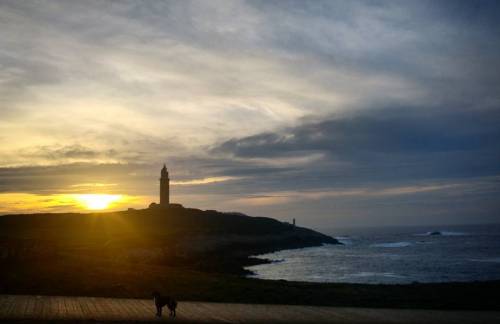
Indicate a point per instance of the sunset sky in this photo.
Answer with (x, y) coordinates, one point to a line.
(336, 113)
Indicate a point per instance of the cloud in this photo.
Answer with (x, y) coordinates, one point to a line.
(277, 96)
(194, 73)
(386, 143)
(285, 197)
(382, 130)
(203, 181)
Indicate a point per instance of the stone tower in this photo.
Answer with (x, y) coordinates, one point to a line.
(164, 187)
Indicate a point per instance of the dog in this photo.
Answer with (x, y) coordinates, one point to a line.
(161, 301)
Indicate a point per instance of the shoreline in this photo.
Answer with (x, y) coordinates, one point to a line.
(85, 278)
(377, 257)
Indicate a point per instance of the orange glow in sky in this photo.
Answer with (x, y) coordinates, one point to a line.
(28, 202)
(97, 201)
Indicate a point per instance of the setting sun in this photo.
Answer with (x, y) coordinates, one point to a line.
(97, 201)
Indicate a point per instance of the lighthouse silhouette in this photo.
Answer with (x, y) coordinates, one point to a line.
(164, 187)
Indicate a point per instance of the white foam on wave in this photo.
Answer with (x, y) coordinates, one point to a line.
(392, 244)
(447, 233)
(442, 233)
(346, 240)
(365, 274)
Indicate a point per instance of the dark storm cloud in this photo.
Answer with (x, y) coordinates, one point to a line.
(383, 131)
(394, 144)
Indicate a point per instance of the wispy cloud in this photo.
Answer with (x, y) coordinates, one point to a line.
(284, 197)
(93, 185)
(203, 181)
(189, 74)
(263, 99)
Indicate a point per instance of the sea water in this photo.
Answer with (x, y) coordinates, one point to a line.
(392, 255)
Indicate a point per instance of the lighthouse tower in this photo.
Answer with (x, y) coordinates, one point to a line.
(164, 187)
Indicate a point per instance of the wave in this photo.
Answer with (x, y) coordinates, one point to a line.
(445, 233)
(346, 240)
(374, 274)
(442, 233)
(392, 244)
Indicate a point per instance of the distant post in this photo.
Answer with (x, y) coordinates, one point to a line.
(164, 187)
(293, 222)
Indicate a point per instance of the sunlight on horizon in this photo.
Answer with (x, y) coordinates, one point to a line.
(56, 203)
(97, 201)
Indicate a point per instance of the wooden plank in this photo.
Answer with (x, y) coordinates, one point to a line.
(31, 307)
(114, 309)
(13, 309)
(51, 308)
(37, 307)
(9, 309)
(115, 306)
(79, 308)
(94, 309)
(146, 309)
(4, 304)
(18, 307)
(85, 307)
(105, 309)
(136, 309)
(70, 311)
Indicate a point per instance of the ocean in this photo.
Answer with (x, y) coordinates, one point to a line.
(394, 255)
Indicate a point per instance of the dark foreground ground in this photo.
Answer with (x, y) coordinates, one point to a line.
(81, 277)
(192, 255)
(91, 309)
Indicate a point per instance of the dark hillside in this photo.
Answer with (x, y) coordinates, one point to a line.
(184, 237)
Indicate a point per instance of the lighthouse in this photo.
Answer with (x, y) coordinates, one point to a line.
(164, 187)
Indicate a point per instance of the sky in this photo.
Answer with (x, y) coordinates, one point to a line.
(336, 113)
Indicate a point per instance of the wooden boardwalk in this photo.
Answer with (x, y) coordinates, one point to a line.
(48, 309)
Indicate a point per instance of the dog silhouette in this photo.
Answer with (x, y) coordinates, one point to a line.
(161, 301)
